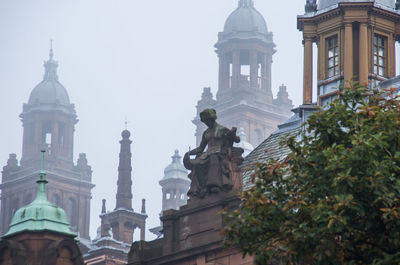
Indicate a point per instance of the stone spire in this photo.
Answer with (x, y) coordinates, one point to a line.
(124, 189)
(51, 66)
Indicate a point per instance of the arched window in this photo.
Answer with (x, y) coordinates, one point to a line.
(64, 256)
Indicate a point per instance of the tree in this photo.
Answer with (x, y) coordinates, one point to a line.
(335, 198)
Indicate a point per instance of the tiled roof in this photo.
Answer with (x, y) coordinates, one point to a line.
(271, 148)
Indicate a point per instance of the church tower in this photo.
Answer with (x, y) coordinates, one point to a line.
(48, 121)
(244, 99)
(355, 41)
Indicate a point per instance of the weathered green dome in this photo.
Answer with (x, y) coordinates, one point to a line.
(40, 215)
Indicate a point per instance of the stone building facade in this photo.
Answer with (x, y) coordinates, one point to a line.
(355, 40)
(48, 121)
(244, 99)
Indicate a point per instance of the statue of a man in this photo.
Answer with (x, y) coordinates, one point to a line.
(211, 168)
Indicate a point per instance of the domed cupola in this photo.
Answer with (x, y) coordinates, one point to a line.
(245, 23)
(49, 118)
(49, 94)
(40, 215)
(175, 170)
(325, 4)
(175, 184)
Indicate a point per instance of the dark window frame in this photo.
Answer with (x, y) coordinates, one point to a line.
(379, 55)
(332, 55)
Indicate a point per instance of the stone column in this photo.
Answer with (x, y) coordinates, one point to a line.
(235, 68)
(223, 72)
(391, 56)
(363, 56)
(264, 72)
(142, 232)
(55, 146)
(220, 72)
(254, 69)
(394, 57)
(308, 71)
(268, 77)
(348, 53)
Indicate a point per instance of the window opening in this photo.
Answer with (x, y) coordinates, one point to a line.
(333, 56)
(379, 55)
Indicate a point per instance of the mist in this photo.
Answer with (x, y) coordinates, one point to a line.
(144, 62)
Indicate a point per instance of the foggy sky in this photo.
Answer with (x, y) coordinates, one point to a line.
(145, 61)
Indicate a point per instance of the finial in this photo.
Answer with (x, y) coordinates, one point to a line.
(246, 3)
(126, 123)
(42, 180)
(311, 6)
(176, 157)
(51, 49)
(42, 162)
(103, 207)
(143, 206)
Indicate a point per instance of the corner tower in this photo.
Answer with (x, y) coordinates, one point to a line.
(355, 40)
(244, 99)
(48, 121)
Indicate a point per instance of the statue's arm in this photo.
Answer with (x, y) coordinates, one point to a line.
(201, 148)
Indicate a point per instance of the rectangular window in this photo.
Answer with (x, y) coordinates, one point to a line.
(379, 55)
(333, 55)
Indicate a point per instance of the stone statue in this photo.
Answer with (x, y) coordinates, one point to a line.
(212, 168)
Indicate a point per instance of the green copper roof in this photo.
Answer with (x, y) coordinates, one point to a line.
(40, 215)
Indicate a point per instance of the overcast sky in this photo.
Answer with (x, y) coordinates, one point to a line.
(141, 60)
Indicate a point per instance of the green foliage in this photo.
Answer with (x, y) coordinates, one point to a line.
(335, 199)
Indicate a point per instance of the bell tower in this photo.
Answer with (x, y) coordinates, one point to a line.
(244, 99)
(48, 121)
(355, 41)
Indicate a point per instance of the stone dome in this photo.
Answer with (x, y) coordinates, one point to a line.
(245, 23)
(50, 90)
(176, 170)
(322, 4)
(245, 19)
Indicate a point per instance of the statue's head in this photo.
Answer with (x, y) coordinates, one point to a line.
(208, 115)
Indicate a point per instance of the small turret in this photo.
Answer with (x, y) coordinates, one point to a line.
(175, 184)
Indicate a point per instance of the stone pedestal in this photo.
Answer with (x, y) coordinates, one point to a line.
(192, 235)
